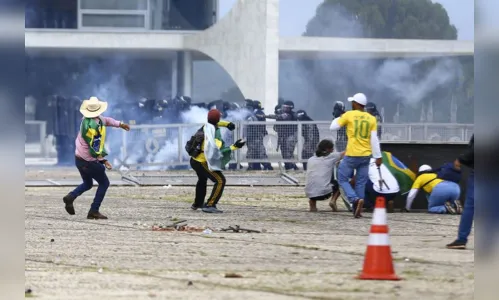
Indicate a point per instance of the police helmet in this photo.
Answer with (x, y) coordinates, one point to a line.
(289, 104)
(277, 109)
(257, 104)
(338, 109)
(301, 114)
(249, 103)
(234, 106)
(142, 102)
(371, 108)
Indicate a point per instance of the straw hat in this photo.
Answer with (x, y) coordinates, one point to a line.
(92, 107)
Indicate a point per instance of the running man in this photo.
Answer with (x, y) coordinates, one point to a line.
(363, 143)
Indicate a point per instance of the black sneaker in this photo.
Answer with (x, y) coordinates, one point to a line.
(456, 245)
(68, 200)
(459, 207)
(194, 207)
(357, 208)
(450, 209)
(212, 210)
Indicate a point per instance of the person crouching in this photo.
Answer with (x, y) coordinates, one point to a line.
(320, 174)
(209, 163)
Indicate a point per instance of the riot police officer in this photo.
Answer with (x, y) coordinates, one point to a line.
(287, 135)
(373, 110)
(311, 137)
(341, 134)
(255, 135)
(146, 110)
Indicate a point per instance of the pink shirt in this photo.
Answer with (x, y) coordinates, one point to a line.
(82, 148)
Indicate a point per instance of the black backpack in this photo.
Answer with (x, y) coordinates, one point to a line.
(194, 144)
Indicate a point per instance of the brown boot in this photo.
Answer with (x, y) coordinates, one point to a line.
(95, 215)
(68, 200)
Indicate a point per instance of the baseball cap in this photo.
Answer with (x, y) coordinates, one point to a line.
(359, 98)
(424, 168)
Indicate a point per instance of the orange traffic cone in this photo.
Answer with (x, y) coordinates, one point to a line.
(378, 263)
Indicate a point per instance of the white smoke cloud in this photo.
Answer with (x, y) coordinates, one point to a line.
(400, 78)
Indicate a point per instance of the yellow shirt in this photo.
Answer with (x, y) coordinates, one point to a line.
(423, 179)
(359, 125)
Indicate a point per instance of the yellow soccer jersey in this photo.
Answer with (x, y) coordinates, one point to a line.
(359, 125)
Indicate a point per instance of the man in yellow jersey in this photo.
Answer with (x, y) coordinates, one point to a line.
(363, 143)
(443, 195)
(208, 164)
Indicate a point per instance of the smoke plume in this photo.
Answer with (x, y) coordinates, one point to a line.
(315, 85)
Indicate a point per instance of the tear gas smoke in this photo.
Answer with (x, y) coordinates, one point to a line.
(317, 84)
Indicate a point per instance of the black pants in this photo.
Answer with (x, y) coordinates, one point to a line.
(204, 174)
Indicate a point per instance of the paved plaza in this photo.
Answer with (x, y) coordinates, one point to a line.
(297, 254)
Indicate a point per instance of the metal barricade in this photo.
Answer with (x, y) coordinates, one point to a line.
(35, 144)
(159, 147)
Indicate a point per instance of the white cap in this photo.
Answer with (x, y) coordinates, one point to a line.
(359, 98)
(424, 168)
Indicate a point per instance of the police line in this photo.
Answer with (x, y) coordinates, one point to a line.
(158, 146)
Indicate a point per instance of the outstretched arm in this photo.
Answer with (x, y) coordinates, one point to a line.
(410, 198)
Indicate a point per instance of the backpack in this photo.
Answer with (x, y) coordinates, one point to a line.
(447, 172)
(194, 144)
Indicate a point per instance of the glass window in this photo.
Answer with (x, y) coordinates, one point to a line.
(114, 4)
(100, 20)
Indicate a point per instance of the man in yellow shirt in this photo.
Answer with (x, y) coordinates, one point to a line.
(362, 143)
(443, 195)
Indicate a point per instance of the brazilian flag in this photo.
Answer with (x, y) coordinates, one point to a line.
(94, 133)
(405, 177)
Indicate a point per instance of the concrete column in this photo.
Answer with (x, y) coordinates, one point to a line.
(183, 68)
(246, 44)
(175, 75)
(186, 73)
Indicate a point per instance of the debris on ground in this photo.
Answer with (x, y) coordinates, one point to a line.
(233, 275)
(237, 228)
(189, 283)
(28, 292)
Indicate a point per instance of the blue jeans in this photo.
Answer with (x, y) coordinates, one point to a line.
(469, 210)
(441, 193)
(90, 170)
(345, 171)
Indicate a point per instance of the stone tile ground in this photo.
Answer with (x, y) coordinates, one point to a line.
(301, 255)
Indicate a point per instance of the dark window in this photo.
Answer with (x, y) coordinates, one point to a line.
(51, 14)
(114, 4)
(190, 14)
(104, 20)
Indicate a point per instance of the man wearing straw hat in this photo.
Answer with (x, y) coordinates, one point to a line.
(90, 153)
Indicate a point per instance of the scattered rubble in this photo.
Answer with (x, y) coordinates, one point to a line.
(233, 275)
(237, 228)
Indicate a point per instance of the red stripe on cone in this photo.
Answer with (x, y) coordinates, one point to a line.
(378, 262)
